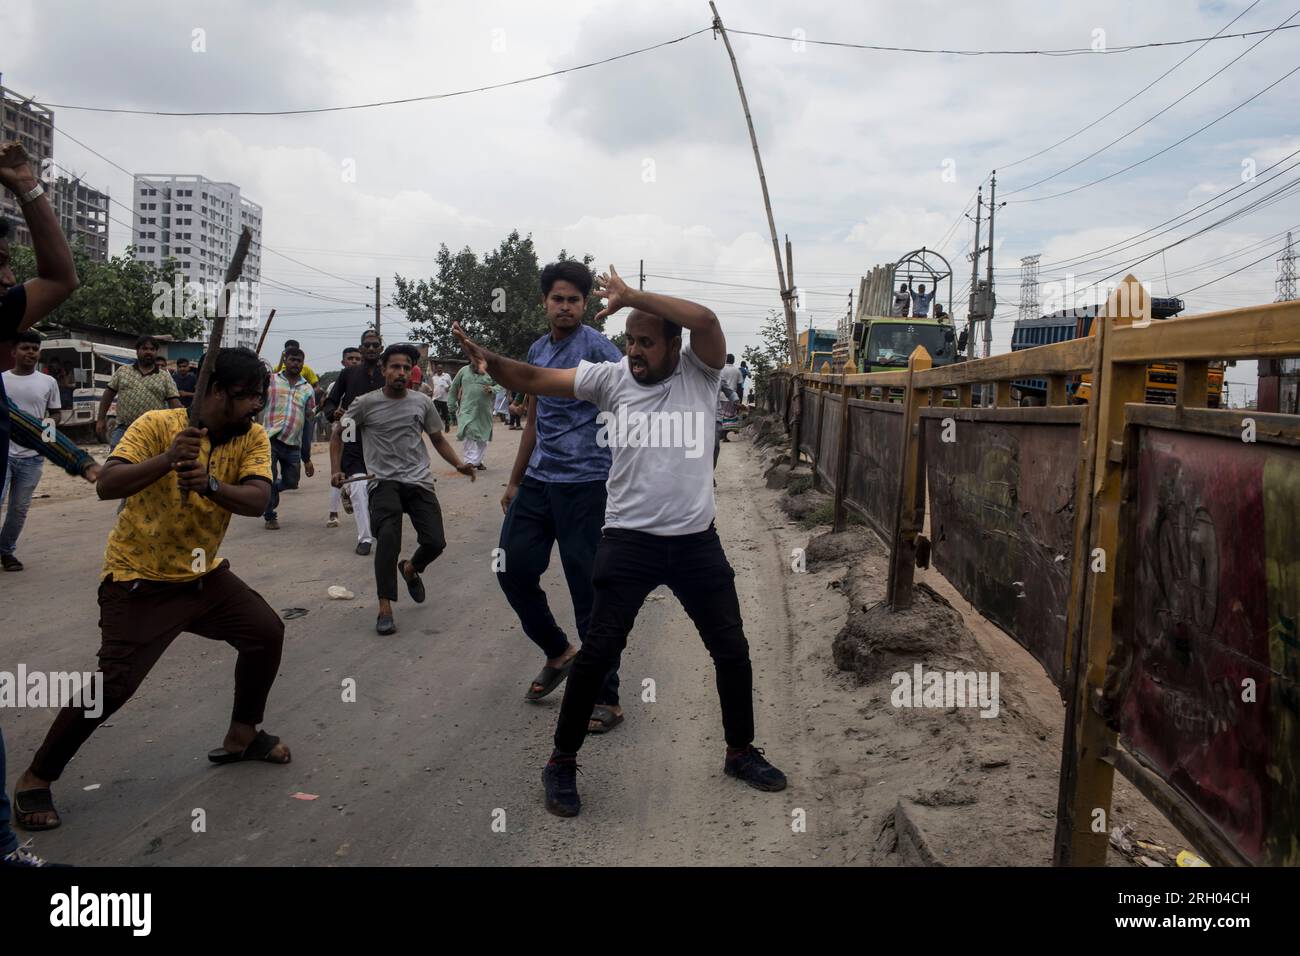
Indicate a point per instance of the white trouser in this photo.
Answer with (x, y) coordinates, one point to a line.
(336, 500)
(474, 450)
(359, 493)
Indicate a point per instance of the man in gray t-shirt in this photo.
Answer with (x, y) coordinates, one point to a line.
(393, 422)
(657, 408)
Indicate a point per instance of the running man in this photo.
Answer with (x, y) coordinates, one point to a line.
(470, 401)
(658, 519)
(353, 382)
(389, 424)
(37, 394)
(290, 403)
(351, 357)
(162, 574)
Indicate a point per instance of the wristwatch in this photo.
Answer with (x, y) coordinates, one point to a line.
(213, 485)
(36, 192)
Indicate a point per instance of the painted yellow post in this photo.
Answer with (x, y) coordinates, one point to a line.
(1056, 390)
(1193, 389)
(909, 513)
(1084, 808)
(1002, 395)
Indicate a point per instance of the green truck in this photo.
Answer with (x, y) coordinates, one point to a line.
(875, 339)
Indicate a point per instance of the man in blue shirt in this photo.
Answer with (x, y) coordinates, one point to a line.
(557, 492)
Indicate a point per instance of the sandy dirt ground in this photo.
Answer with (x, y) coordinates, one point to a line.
(438, 760)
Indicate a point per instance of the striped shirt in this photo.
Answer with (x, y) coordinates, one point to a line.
(287, 406)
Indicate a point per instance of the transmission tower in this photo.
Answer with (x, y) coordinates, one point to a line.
(1286, 273)
(1029, 287)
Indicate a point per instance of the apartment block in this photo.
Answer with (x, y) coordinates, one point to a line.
(195, 222)
(33, 126)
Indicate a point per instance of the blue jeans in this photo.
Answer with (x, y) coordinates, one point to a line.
(115, 436)
(545, 513)
(24, 476)
(285, 463)
(8, 839)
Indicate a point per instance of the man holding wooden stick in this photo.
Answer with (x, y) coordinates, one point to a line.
(162, 574)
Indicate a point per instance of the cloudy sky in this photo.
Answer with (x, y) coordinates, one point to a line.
(868, 154)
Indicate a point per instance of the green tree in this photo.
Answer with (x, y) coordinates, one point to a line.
(496, 298)
(773, 353)
(116, 294)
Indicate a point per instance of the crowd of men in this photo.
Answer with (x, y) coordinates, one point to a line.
(626, 514)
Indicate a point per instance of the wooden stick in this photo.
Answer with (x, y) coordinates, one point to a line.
(348, 481)
(218, 330)
(219, 324)
(266, 328)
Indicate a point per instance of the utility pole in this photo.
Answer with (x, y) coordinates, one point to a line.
(988, 319)
(381, 337)
(787, 292)
(974, 277)
(642, 286)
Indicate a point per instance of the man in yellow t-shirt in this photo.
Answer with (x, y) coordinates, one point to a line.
(162, 575)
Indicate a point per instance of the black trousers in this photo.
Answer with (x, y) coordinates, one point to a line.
(631, 564)
(543, 514)
(138, 621)
(389, 500)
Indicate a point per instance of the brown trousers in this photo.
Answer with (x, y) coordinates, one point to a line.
(138, 620)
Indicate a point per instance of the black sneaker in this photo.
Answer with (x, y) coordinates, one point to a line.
(749, 766)
(384, 625)
(560, 777)
(363, 548)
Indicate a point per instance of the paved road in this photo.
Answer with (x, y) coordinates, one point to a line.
(439, 740)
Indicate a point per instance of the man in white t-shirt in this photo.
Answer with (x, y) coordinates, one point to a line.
(440, 382)
(37, 394)
(657, 411)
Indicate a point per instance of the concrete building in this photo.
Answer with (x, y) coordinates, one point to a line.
(83, 214)
(32, 126)
(196, 222)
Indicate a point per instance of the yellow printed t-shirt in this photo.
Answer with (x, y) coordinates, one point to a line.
(156, 533)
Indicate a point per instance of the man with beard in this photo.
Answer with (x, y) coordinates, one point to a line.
(657, 408)
(162, 575)
(392, 422)
(140, 387)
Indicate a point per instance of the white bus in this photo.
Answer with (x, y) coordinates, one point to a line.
(84, 371)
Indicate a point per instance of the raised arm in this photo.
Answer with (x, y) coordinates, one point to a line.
(517, 376)
(707, 341)
(56, 276)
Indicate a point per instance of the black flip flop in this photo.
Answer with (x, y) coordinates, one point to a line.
(605, 718)
(415, 586)
(28, 802)
(550, 678)
(259, 749)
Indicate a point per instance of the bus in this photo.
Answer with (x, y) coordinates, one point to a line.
(84, 369)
